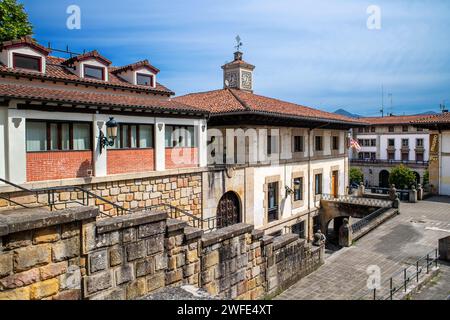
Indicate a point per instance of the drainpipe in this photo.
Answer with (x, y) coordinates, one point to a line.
(309, 183)
(309, 173)
(440, 162)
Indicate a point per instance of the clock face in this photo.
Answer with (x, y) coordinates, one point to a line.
(231, 79)
(246, 80)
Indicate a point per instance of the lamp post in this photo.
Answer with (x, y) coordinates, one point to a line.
(111, 134)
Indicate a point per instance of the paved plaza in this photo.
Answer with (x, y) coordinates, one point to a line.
(438, 288)
(397, 243)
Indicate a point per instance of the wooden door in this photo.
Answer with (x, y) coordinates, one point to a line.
(228, 210)
(335, 184)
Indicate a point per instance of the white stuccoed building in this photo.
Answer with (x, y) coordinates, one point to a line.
(388, 142)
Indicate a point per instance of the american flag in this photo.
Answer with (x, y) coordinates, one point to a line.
(355, 145)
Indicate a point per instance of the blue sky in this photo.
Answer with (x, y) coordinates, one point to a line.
(318, 53)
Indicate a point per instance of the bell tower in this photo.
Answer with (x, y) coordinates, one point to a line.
(238, 74)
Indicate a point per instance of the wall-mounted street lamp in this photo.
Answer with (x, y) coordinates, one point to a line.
(111, 134)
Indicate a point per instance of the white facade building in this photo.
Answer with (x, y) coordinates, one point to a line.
(308, 152)
(387, 142)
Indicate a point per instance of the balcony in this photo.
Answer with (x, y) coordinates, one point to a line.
(391, 149)
(405, 149)
(420, 149)
(381, 162)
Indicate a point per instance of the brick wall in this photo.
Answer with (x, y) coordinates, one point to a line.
(181, 158)
(130, 160)
(58, 165)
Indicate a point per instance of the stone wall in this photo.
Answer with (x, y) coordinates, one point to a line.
(232, 263)
(40, 254)
(288, 260)
(69, 254)
(125, 256)
(182, 191)
(238, 262)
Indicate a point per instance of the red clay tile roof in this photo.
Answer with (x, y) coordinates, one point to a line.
(391, 120)
(88, 55)
(55, 70)
(135, 66)
(100, 98)
(238, 61)
(232, 100)
(241, 63)
(25, 41)
(442, 118)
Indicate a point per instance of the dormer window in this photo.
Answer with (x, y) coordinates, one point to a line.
(93, 72)
(144, 79)
(22, 61)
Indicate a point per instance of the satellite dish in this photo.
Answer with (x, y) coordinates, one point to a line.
(227, 83)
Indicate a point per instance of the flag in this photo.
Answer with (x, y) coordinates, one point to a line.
(355, 145)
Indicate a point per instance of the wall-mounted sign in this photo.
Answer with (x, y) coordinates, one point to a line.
(434, 147)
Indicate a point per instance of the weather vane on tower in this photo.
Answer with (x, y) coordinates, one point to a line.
(239, 43)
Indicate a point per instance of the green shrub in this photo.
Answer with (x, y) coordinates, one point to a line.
(402, 177)
(356, 175)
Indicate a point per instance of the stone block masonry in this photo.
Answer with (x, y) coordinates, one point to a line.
(68, 254)
(40, 253)
(124, 254)
(182, 191)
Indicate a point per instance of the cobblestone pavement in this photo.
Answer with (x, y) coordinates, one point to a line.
(395, 244)
(438, 288)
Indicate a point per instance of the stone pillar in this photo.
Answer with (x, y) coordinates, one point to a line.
(201, 137)
(419, 192)
(444, 249)
(396, 203)
(345, 234)
(16, 145)
(160, 146)
(271, 282)
(361, 189)
(100, 157)
(392, 192)
(413, 195)
(3, 126)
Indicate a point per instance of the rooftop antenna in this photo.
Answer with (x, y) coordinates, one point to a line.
(382, 101)
(390, 96)
(238, 43)
(66, 51)
(443, 107)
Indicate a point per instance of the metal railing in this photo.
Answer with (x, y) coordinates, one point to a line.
(176, 213)
(357, 200)
(393, 162)
(357, 226)
(400, 281)
(402, 194)
(52, 195)
(85, 197)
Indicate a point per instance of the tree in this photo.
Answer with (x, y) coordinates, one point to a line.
(356, 175)
(14, 22)
(402, 177)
